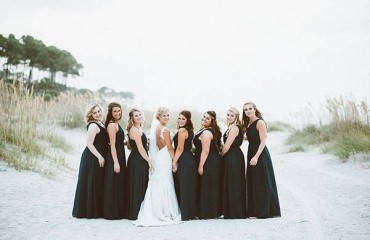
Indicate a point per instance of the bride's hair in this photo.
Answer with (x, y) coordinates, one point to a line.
(189, 124)
(160, 111)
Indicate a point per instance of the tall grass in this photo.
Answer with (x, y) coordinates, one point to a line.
(27, 127)
(344, 130)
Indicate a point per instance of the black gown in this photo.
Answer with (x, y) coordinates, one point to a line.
(88, 202)
(209, 203)
(186, 178)
(263, 200)
(137, 178)
(114, 205)
(234, 183)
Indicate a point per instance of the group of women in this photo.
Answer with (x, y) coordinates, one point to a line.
(191, 175)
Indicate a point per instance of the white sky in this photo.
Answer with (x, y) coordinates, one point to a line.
(208, 54)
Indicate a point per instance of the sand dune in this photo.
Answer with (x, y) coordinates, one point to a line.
(321, 198)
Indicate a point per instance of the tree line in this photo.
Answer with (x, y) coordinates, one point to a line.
(31, 53)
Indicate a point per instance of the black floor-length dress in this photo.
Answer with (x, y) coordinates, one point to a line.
(88, 202)
(209, 203)
(137, 178)
(186, 179)
(234, 183)
(263, 200)
(115, 196)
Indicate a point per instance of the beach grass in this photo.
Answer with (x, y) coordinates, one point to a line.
(278, 126)
(344, 132)
(27, 126)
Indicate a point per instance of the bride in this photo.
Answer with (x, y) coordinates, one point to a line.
(160, 206)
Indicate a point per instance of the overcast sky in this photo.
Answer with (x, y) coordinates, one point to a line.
(208, 54)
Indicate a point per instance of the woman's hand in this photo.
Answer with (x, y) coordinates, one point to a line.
(116, 167)
(174, 167)
(200, 170)
(101, 161)
(253, 161)
(150, 165)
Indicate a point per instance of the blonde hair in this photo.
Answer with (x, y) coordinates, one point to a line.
(235, 111)
(160, 111)
(89, 112)
(130, 120)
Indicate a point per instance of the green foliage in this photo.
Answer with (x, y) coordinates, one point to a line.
(26, 129)
(278, 126)
(347, 133)
(296, 148)
(35, 54)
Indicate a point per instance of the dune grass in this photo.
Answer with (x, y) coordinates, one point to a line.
(278, 126)
(346, 133)
(27, 127)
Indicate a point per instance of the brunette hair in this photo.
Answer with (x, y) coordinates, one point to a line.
(109, 117)
(189, 124)
(246, 120)
(215, 128)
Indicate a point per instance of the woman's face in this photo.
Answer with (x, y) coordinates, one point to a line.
(137, 117)
(230, 117)
(97, 114)
(181, 120)
(206, 120)
(164, 117)
(249, 110)
(116, 113)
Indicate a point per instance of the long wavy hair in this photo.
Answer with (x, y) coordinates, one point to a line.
(130, 120)
(109, 117)
(130, 124)
(215, 128)
(89, 112)
(235, 111)
(246, 120)
(189, 124)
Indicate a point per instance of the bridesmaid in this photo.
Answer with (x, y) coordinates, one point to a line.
(138, 163)
(263, 200)
(115, 167)
(234, 185)
(185, 167)
(88, 202)
(207, 143)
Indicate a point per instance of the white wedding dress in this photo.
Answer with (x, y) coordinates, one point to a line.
(160, 206)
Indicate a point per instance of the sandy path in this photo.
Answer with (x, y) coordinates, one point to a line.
(320, 197)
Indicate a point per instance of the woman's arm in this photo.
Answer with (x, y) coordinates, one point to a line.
(233, 133)
(262, 131)
(206, 138)
(181, 136)
(92, 130)
(136, 135)
(168, 142)
(112, 129)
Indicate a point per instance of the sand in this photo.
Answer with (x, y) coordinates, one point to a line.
(321, 197)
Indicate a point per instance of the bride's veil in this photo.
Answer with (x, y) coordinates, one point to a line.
(153, 149)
